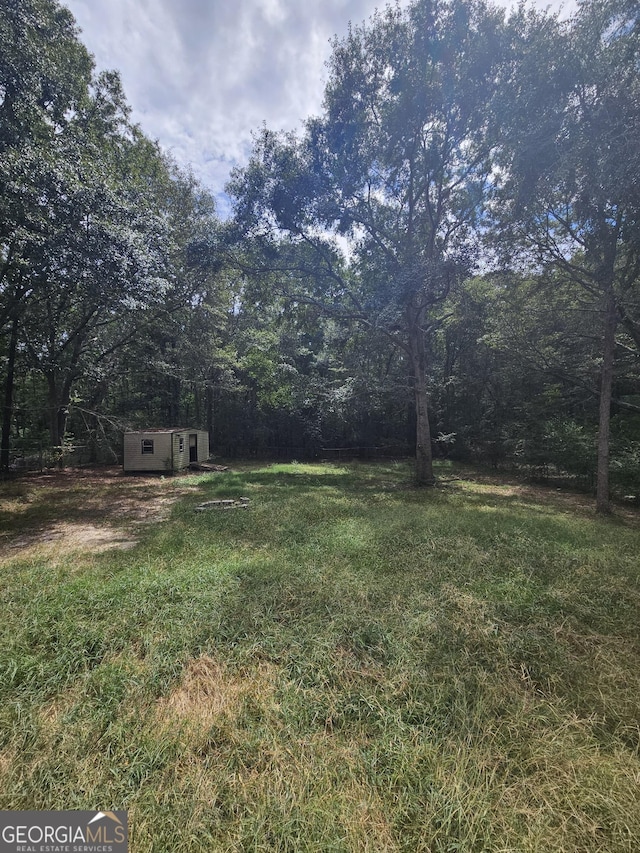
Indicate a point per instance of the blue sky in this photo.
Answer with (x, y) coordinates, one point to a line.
(201, 75)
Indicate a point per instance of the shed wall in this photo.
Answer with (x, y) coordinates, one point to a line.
(136, 460)
(180, 457)
(203, 444)
(167, 455)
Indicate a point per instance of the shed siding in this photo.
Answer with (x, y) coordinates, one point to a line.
(136, 460)
(203, 445)
(166, 455)
(180, 458)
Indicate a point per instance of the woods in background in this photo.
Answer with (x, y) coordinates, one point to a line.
(445, 261)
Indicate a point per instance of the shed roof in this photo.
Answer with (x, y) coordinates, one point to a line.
(162, 429)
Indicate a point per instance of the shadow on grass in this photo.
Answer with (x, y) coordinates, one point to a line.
(348, 478)
(397, 478)
(79, 497)
(370, 610)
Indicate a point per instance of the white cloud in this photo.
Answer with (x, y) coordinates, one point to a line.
(202, 75)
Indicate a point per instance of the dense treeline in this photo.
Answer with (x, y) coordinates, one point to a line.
(445, 261)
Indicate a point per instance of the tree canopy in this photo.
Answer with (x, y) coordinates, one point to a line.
(397, 167)
(445, 259)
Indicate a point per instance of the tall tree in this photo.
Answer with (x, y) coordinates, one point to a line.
(570, 191)
(100, 257)
(44, 78)
(101, 236)
(163, 334)
(397, 166)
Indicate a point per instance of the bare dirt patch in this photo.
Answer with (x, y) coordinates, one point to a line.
(75, 537)
(82, 510)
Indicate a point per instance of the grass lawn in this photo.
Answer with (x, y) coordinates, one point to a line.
(349, 664)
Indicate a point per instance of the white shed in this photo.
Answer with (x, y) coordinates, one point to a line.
(164, 449)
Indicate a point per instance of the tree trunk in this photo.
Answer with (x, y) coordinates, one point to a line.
(424, 462)
(7, 410)
(606, 385)
(210, 409)
(98, 396)
(58, 411)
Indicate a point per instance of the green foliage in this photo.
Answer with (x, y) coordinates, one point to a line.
(336, 309)
(100, 234)
(567, 192)
(396, 165)
(44, 71)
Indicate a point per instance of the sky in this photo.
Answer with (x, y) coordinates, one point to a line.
(202, 75)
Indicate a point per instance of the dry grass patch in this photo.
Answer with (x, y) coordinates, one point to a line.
(351, 670)
(365, 818)
(573, 797)
(52, 713)
(8, 758)
(468, 613)
(209, 692)
(250, 789)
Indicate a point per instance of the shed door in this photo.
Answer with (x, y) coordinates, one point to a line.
(193, 447)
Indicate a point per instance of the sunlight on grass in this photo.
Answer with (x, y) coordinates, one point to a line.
(350, 664)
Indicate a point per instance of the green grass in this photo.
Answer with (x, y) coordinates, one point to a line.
(351, 664)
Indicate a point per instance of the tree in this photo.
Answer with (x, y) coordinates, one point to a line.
(100, 259)
(570, 182)
(163, 335)
(397, 167)
(44, 77)
(101, 235)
